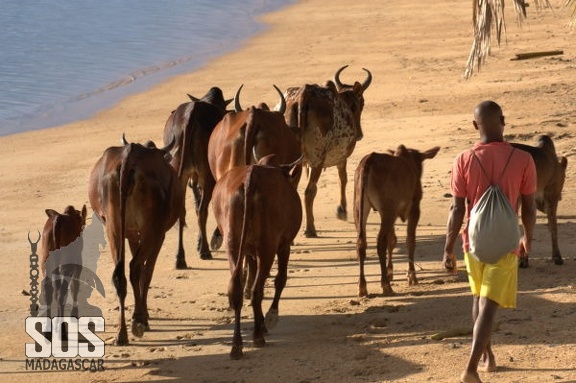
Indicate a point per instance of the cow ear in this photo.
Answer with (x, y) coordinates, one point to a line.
(563, 162)
(51, 213)
(358, 89)
(431, 153)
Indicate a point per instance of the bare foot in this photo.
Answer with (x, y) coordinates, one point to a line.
(470, 377)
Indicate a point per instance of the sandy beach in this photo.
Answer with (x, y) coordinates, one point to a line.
(418, 98)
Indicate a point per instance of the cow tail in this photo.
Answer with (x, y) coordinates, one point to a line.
(125, 183)
(247, 217)
(361, 190)
(250, 137)
(56, 229)
(185, 137)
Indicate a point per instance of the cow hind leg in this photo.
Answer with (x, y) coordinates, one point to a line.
(202, 212)
(236, 301)
(553, 228)
(271, 318)
(120, 284)
(180, 255)
(411, 242)
(391, 244)
(264, 265)
(386, 227)
(309, 196)
(341, 212)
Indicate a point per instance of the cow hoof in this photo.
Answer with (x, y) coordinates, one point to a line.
(387, 291)
(121, 340)
(138, 329)
(259, 342)
(216, 242)
(236, 353)
(523, 264)
(412, 280)
(341, 213)
(205, 256)
(310, 234)
(271, 319)
(181, 264)
(558, 261)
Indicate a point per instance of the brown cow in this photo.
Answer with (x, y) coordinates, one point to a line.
(244, 135)
(329, 119)
(137, 195)
(192, 124)
(551, 172)
(259, 212)
(390, 184)
(61, 256)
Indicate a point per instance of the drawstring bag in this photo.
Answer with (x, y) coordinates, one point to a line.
(493, 227)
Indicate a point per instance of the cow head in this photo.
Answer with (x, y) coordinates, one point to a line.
(353, 96)
(281, 108)
(291, 171)
(151, 145)
(215, 97)
(415, 157)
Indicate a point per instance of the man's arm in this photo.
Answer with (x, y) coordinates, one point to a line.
(528, 212)
(455, 220)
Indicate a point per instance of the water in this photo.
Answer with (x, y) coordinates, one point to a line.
(63, 60)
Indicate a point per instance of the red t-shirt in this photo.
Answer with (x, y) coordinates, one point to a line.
(469, 181)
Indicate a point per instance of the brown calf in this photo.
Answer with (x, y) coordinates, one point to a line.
(550, 173)
(61, 257)
(259, 213)
(390, 184)
(192, 124)
(137, 195)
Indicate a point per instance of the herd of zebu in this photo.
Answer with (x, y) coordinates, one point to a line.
(248, 163)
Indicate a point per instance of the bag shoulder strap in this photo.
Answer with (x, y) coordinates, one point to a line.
(484, 170)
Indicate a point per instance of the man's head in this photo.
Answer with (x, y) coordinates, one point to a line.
(489, 121)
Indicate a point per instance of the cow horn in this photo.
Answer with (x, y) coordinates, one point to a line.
(254, 154)
(170, 145)
(337, 77)
(368, 80)
(282, 107)
(192, 97)
(237, 106)
(124, 142)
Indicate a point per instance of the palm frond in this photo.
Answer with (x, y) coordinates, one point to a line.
(488, 15)
(572, 4)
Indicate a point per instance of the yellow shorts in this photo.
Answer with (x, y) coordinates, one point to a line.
(497, 282)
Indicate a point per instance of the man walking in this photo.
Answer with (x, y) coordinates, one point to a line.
(492, 285)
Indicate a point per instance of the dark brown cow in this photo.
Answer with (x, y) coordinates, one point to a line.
(137, 195)
(390, 184)
(244, 135)
(192, 124)
(551, 172)
(61, 256)
(259, 212)
(329, 119)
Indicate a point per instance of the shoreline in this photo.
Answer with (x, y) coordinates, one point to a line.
(67, 106)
